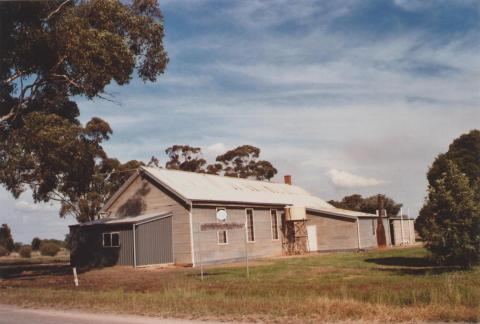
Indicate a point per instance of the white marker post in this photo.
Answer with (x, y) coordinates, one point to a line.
(75, 277)
(401, 225)
(246, 251)
(200, 252)
(410, 238)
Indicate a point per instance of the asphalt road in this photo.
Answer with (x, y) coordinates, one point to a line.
(17, 315)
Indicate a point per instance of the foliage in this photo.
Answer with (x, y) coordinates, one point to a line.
(60, 243)
(3, 251)
(69, 48)
(53, 51)
(107, 177)
(17, 246)
(186, 158)
(49, 249)
(465, 153)
(367, 205)
(452, 228)
(242, 162)
(54, 156)
(25, 251)
(36, 243)
(64, 162)
(6, 239)
(450, 171)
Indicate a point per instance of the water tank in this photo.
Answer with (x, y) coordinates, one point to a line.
(295, 213)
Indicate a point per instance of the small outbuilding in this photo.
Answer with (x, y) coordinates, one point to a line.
(158, 217)
(136, 241)
(403, 230)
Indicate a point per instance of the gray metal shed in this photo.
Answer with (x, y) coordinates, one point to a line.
(137, 241)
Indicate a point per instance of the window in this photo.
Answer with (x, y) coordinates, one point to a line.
(222, 237)
(250, 228)
(111, 239)
(274, 220)
(374, 227)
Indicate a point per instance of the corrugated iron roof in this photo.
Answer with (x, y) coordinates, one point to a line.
(206, 187)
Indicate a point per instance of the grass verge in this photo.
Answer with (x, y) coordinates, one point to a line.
(387, 286)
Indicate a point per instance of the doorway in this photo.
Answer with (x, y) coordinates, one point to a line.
(312, 238)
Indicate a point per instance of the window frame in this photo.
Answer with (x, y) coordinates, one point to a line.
(253, 225)
(111, 240)
(276, 225)
(218, 232)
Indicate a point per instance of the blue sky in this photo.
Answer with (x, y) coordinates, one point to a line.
(347, 96)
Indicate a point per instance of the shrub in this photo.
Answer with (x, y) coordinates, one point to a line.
(25, 251)
(17, 246)
(451, 219)
(36, 242)
(6, 239)
(3, 251)
(50, 249)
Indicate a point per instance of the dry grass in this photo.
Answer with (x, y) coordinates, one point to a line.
(384, 286)
(14, 258)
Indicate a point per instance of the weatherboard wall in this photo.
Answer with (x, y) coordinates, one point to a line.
(208, 250)
(408, 231)
(144, 196)
(334, 233)
(368, 229)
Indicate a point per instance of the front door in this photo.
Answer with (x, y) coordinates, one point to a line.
(312, 237)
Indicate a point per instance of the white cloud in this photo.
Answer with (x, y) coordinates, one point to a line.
(217, 148)
(344, 179)
(413, 5)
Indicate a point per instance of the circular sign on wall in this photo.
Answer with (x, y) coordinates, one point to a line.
(222, 215)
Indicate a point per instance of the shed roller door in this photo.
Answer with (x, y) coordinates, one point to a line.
(154, 242)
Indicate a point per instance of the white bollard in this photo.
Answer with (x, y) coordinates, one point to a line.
(75, 278)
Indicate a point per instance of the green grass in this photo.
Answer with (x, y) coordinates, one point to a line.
(390, 285)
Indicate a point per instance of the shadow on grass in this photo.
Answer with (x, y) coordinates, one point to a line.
(403, 261)
(207, 274)
(31, 271)
(412, 265)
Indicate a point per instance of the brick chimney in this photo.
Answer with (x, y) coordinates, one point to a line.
(288, 179)
(381, 236)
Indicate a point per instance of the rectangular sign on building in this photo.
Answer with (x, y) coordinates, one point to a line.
(220, 226)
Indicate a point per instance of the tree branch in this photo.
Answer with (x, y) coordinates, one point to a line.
(15, 76)
(60, 198)
(72, 82)
(57, 10)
